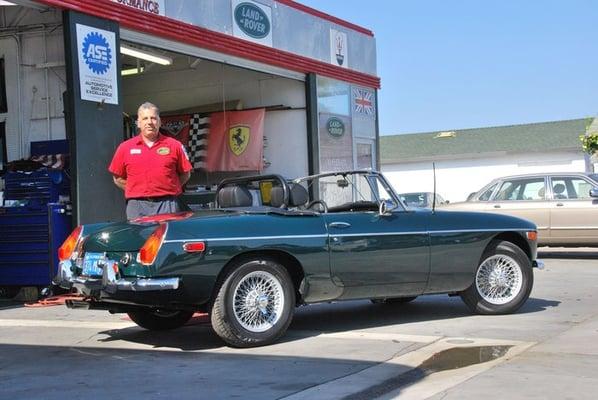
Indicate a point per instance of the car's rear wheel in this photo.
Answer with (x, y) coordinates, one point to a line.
(394, 300)
(160, 320)
(255, 304)
(503, 280)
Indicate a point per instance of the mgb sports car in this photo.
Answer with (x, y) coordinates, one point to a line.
(270, 244)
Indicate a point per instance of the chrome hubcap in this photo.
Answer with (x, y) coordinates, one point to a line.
(499, 279)
(258, 301)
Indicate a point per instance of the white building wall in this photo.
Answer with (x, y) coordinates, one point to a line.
(456, 179)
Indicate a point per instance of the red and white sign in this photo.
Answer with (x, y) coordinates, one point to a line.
(363, 102)
(150, 6)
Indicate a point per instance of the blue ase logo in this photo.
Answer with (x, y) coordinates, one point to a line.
(97, 53)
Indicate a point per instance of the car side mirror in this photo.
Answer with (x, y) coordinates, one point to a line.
(385, 209)
(594, 192)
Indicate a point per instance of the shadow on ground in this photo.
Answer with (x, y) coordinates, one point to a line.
(588, 253)
(316, 319)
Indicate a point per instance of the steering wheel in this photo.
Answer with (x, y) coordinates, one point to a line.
(321, 203)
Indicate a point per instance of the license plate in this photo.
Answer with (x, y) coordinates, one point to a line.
(90, 264)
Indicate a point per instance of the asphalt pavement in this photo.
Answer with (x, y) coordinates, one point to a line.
(432, 348)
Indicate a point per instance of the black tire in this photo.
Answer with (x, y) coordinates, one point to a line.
(513, 288)
(233, 327)
(160, 320)
(394, 300)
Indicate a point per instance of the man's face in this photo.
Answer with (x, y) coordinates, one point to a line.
(148, 122)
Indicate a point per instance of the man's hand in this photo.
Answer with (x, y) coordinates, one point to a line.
(119, 181)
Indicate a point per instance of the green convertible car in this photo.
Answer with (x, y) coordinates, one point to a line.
(270, 244)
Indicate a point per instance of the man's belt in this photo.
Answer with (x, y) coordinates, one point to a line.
(154, 199)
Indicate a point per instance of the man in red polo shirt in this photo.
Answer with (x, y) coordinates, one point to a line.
(151, 168)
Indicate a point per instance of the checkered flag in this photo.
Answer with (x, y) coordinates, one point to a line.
(198, 140)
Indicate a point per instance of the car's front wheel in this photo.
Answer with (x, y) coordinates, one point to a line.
(255, 304)
(503, 280)
(160, 320)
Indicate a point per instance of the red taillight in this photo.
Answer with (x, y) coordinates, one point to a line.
(149, 251)
(194, 247)
(66, 250)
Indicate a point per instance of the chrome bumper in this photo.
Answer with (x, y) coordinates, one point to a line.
(110, 282)
(538, 264)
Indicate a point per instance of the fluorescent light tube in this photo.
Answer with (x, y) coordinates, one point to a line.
(145, 55)
(131, 71)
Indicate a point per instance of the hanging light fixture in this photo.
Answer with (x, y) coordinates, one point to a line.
(145, 55)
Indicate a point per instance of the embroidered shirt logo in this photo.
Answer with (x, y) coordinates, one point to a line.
(163, 151)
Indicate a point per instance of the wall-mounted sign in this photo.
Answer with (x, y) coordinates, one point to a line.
(335, 127)
(98, 58)
(252, 21)
(151, 6)
(338, 48)
(363, 102)
(335, 142)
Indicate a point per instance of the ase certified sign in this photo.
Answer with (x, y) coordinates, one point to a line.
(252, 21)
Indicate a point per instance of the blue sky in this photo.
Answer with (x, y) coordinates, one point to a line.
(461, 64)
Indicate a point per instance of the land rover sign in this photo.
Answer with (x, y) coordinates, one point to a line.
(335, 127)
(252, 21)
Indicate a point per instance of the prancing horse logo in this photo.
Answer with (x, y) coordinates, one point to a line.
(238, 138)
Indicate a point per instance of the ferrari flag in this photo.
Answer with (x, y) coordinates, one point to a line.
(236, 141)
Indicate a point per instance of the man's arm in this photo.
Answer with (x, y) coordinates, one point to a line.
(119, 181)
(184, 177)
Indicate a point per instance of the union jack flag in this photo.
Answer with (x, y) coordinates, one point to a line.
(363, 102)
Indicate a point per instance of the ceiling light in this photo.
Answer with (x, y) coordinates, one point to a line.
(145, 55)
(131, 71)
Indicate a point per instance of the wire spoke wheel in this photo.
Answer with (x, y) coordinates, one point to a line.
(258, 301)
(499, 279)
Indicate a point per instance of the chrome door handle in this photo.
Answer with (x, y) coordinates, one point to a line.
(340, 225)
(497, 206)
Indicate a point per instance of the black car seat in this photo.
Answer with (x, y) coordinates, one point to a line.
(234, 196)
(298, 196)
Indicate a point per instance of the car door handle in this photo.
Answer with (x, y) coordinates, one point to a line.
(340, 225)
(559, 204)
(497, 206)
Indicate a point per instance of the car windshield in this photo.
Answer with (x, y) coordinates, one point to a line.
(340, 189)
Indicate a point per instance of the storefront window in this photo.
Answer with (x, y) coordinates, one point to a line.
(333, 96)
(347, 125)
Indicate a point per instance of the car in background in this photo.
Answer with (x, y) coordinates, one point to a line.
(564, 206)
(271, 244)
(422, 199)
